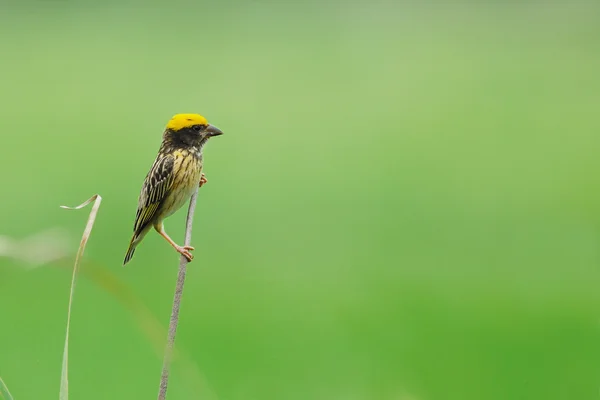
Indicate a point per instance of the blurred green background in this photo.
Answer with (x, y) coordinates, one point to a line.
(405, 205)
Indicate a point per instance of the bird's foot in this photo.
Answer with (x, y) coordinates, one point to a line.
(203, 179)
(185, 251)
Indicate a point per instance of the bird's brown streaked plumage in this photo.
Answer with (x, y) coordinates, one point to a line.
(173, 178)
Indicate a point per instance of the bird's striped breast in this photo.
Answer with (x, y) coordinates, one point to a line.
(187, 169)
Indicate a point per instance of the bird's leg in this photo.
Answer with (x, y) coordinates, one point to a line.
(183, 250)
(203, 179)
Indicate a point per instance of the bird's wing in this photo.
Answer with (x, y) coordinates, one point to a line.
(156, 186)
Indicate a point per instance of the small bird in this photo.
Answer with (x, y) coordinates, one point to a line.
(173, 178)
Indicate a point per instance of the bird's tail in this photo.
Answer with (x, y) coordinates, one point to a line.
(130, 250)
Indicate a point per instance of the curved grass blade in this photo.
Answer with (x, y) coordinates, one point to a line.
(64, 376)
(4, 393)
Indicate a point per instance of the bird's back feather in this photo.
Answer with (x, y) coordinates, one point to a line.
(156, 186)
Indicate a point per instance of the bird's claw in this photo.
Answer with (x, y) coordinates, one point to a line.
(185, 251)
(203, 179)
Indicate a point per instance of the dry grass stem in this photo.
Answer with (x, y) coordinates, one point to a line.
(164, 379)
(4, 393)
(64, 378)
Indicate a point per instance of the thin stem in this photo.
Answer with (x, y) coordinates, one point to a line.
(4, 393)
(64, 376)
(164, 379)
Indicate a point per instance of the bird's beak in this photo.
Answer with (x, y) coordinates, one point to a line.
(213, 130)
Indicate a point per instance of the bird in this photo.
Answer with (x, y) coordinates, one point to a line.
(172, 179)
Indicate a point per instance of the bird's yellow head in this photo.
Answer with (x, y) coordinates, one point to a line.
(190, 129)
(181, 121)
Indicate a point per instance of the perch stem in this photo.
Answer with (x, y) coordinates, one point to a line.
(164, 379)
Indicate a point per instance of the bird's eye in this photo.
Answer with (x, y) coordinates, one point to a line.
(197, 128)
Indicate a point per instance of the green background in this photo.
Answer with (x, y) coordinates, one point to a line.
(404, 206)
